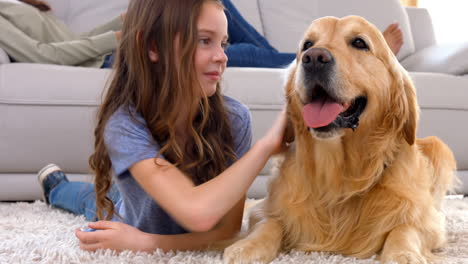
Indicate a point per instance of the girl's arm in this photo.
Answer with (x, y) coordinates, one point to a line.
(199, 208)
(120, 236)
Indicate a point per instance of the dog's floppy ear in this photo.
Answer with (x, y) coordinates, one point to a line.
(289, 132)
(403, 111)
(410, 125)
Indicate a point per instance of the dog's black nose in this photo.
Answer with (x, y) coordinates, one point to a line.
(317, 58)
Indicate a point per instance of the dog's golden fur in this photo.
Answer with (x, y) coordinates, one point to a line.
(377, 189)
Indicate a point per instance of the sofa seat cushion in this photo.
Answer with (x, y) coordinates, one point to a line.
(429, 86)
(261, 90)
(58, 84)
(49, 110)
(444, 111)
(442, 58)
(285, 21)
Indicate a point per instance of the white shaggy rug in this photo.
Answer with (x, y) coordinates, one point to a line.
(35, 233)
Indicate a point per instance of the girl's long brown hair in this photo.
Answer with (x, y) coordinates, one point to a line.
(156, 90)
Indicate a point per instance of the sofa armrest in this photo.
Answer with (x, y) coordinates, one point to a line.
(422, 28)
(4, 57)
(441, 58)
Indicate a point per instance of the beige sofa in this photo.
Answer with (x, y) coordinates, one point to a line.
(47, 111)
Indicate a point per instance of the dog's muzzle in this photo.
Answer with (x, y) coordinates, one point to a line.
(318, 65)
(323, 110)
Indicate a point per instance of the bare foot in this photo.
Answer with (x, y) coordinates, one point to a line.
(394, 37)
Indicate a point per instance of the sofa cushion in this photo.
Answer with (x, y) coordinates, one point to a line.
(83, 15)
(285, 21)
(87, 14)
(442, 58)
(262, 91)
(48, 116)
(444, 114)
(4, 57)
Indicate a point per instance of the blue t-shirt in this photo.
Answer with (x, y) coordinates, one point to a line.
(129, 141)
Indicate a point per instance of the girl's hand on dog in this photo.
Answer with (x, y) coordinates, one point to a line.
(116, 236)
(274, 137)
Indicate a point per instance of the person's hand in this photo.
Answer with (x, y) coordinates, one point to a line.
(116, 236)
(274, 137)
(118, 35)
(41, 5)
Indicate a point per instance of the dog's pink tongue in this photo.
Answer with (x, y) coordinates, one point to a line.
(321, 113)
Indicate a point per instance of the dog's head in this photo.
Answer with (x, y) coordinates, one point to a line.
(346, 77)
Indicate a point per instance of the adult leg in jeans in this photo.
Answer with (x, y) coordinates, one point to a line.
(248, 47)
(79, 198)
(108, 61)
(248, 55)
(240, 31)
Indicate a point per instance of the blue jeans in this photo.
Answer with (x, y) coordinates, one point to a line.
(108, 61)
(247, 47)
(79, 198)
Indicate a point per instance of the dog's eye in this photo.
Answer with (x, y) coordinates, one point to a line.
(359, 43)
(307, 45)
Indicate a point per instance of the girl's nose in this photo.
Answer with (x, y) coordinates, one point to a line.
(220, 55)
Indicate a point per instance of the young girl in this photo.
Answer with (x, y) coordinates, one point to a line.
(178, 150)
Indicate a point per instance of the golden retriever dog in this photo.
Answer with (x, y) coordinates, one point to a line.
(355, 181)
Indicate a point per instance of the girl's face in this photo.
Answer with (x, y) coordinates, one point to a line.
(210, 59)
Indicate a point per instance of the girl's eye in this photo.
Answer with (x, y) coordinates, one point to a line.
(204, 41)
(225, 45)
(208, 42)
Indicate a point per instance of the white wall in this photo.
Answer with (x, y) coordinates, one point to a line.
(450, 18)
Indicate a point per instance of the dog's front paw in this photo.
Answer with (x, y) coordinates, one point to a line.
(247, 251)
(406, 258)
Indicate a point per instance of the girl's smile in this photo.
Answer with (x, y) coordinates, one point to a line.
(214, 75)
